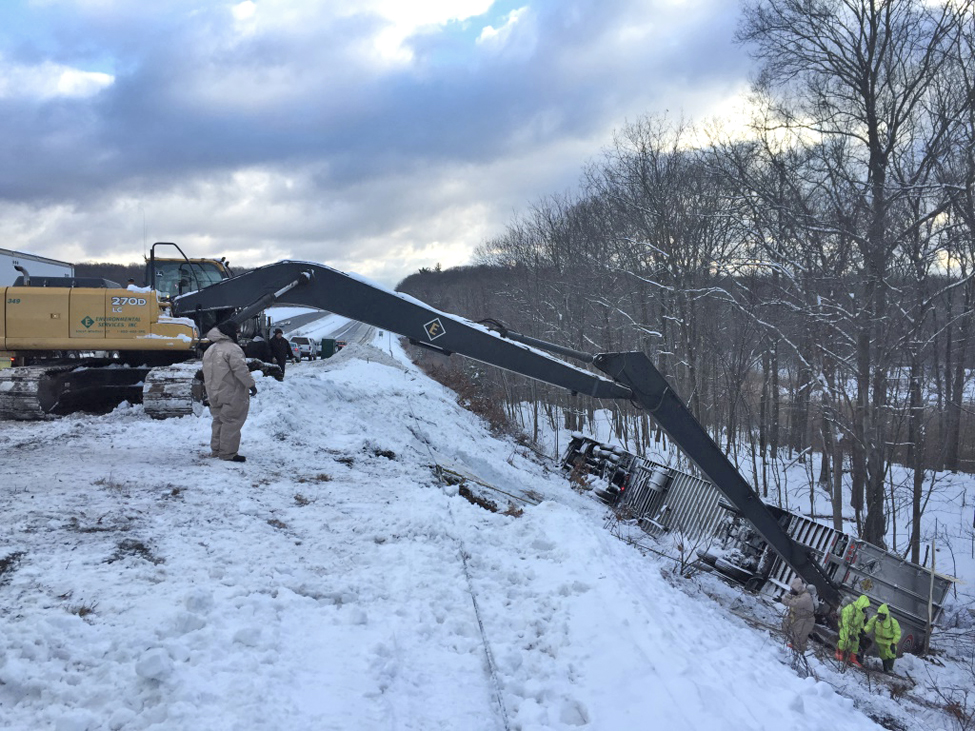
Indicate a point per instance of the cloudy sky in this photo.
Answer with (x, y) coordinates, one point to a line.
(377, 136)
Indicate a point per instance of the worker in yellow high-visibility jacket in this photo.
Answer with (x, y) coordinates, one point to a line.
(886, 634)
(852, 619)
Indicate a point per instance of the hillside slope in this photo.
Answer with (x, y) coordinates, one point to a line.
(333, 582)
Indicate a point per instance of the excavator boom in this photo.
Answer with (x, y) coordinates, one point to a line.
(634, 377)
(328, 289)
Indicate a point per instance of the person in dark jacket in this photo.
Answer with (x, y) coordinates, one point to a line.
(229, 387)
(258, 348)
(281, 349)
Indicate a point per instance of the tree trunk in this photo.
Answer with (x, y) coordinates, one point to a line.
(916, 443)
(956, 381)
(764, 419)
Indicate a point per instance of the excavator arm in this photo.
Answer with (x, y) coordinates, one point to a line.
(314, 285)
(634, 377)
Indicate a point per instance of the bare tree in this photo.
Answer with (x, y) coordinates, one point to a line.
(957, 175)
(853, 76)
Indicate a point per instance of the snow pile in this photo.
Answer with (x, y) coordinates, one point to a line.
(333, 582)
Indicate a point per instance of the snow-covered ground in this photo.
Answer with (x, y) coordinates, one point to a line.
(334, 582)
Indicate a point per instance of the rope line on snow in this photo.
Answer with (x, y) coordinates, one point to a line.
(462, 552)
(445, 472)
(492, 666)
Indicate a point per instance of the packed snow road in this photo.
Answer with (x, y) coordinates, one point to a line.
(317, 324)
(332, 582)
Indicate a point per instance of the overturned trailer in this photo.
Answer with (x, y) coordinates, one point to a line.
(661, 499)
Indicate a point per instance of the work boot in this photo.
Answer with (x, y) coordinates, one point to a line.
(853, 659)
(888, 666)
(238, 458)
(839, 655)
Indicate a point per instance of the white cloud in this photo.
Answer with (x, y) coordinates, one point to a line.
(265, 53)
(48, 80)
(72, 82)
(244, 10)
(407, 18)
(395, 20)
(494, 37)
(270, 129)
(384, 228)
(245, 18)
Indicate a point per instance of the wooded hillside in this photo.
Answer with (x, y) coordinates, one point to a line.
(806, 286)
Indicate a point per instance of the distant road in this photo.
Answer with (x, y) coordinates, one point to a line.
(350, 331)
(293, 323)
(353, 332)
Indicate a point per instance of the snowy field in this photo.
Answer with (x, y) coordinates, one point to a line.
(333, 582)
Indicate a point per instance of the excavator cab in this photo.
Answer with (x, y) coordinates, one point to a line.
(172, 277)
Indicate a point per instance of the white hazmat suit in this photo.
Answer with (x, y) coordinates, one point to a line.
(228, 383)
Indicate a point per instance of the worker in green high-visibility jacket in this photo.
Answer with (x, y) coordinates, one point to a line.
(886, 634)
(852, 619)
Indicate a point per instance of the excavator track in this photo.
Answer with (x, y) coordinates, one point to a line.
(173, 391)
(20, 393)
(32, 393)
(39, 392)
(178, 390)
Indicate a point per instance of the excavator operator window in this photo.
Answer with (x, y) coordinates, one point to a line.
(174, 278)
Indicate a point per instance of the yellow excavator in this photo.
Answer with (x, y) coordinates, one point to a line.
(89, 344)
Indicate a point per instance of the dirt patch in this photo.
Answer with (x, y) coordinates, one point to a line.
(9, 564)
(132, 547)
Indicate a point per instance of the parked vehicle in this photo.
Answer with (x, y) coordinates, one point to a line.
(14, 264)
(307, 347)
